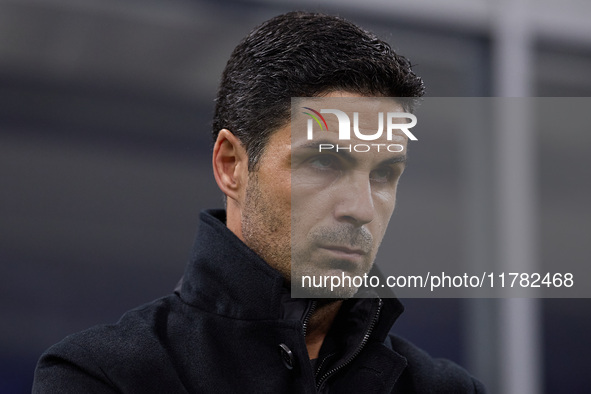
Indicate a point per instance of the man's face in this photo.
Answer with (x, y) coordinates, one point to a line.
(322, 213)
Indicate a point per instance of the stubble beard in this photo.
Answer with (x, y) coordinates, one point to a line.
(266, 229)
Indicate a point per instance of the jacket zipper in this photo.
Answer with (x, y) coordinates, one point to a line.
(319, 368)
(357, 351)
(307, 317)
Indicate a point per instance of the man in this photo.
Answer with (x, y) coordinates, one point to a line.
(231, 325)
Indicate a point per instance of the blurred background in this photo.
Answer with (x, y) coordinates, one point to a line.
(105, 110)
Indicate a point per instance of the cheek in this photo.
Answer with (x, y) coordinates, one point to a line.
(384, 207)
(277, 185)
(384, 199)
(304, 195)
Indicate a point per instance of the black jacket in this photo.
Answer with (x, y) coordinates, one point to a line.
(232, 328)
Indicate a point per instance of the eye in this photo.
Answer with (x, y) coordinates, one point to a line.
(323, 162)
(381, 175)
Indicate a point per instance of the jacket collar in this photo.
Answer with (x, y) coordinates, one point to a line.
(227, 278)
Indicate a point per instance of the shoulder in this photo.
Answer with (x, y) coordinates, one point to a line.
(140, 329)
(99, 357)
(425, 374)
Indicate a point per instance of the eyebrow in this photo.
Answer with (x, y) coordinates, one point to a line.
(348, 156)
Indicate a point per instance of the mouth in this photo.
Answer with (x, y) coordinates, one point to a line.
(344, 249)
(344, 253)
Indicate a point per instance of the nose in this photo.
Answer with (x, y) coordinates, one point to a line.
(354, 200)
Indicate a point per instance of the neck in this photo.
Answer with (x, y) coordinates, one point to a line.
(320, 322)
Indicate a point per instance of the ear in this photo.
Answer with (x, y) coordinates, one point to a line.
(230, 165)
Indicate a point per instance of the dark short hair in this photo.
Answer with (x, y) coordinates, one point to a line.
(302, 55)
